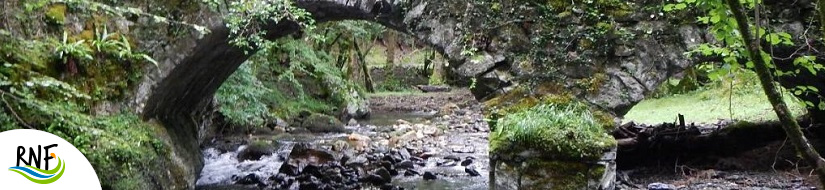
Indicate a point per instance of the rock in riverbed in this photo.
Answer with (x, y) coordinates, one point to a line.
(429, 176)
(320, 123)
(256, 150)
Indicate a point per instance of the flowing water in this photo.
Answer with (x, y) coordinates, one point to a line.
(225, 168)
(219, 168)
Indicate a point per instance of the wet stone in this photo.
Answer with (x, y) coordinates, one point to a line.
(374, 179)
(472, 171)
(660, 186)
(466, 162)
(391, 159)
(385, 175)
(463, 149)
(289, 169)
(411, 173)
(452, 157)
(429, 176)
(312, 170)
(393, 172)
(357, 161)
(406, 164)
(255, 151)
(249, 180)
(310, 185)
(446, 163)
(417, 160)
(404, 154)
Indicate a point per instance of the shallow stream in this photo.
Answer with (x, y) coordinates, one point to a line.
(225, 168)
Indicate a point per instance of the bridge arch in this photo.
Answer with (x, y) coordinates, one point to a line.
(188, 84)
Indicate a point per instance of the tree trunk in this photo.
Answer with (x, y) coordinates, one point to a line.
(437, 78)
(352, 66)
(821, 6)
(789, 124)
(391, 43)
(363, 63)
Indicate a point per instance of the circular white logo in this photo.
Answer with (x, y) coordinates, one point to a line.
(40, 160)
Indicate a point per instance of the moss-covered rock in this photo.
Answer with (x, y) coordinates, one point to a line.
(320, 123)
(560, 130)
(549, 142)
(129, 153)
(256, 150)
(549, 175)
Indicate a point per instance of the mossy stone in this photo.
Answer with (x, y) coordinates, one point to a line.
(557, 126)
(548, 174)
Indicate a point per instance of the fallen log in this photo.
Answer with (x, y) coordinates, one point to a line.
(433, 88)
(671, 143)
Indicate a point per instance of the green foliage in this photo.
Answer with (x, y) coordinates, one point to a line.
(247, 20)
(391, 83)
(67, 51)
(561, 130)
(256, 92)
(124, 150)
(118, 46)
(241, 98)
(119, 147)
(723, 26)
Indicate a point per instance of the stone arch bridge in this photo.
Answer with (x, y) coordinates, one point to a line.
(193, 67)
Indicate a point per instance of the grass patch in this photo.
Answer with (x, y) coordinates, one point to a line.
(558, 130)
(749, 103)
(377, 57)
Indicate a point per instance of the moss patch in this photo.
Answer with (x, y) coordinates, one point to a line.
(124, 150)
(56, 13)
(558, 130)
(553, 175)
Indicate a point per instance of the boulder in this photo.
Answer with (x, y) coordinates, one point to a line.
(256, 150)
(320, 123)
(429, 176)
(357, 107)
(386, 177)
(303, 155)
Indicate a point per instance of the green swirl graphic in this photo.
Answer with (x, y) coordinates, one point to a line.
(60, 167)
